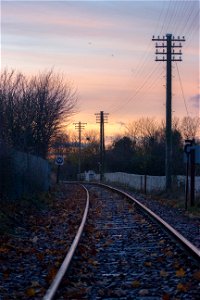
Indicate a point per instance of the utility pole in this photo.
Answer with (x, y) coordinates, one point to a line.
(169, 54)
(80, 126)
(102, 118)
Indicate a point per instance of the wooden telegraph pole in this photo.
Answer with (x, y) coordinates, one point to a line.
(102, 118)
(169, 43)
(80, 126)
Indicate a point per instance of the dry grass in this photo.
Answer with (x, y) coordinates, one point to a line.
(176, 199)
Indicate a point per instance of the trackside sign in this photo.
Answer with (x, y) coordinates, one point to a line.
(59, 160)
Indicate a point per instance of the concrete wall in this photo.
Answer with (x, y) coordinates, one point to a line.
(145, 183)
(148, 183)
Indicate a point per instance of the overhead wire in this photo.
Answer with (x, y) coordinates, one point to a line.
(181, 86)
(148, 87)
(171, 18)
(193, 26)
(182, 15)
(176, 13)
(125, 103)
(168, 20)
(141, 65)
(166, 16)
(187, 17)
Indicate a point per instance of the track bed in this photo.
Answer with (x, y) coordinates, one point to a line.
(125, 255)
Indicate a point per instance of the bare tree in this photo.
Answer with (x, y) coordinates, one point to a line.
(35, 109)
(143, 127)
(10, 86)
(142, 131)
(132, 129)
(190, 127)
(54, 103)
(91, 140)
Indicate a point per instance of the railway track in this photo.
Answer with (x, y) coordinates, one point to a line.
(124, 253)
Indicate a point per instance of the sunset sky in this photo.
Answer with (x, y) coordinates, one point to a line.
(105, 48)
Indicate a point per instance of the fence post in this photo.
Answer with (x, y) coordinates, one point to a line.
(145, 183)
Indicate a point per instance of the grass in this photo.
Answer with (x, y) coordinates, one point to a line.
(176, 198)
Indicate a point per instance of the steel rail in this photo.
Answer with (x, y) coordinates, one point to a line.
(193, 250)
(63, 268)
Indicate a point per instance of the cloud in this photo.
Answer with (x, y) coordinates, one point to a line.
(121, 123)
(195, 101)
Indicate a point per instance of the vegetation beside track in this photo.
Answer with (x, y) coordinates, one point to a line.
(175, 199)
(36, 240)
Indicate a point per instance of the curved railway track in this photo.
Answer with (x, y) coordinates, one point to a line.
(126, 252)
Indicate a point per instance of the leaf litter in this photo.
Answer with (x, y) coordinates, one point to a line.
(32, 254)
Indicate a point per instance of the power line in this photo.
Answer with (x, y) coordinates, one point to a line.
(125, 103)
(168, 20)
(180, 82)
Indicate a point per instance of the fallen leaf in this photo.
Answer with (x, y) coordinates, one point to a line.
(131, 209)
(163, 273)
(161, 242)
(93, 262)
(4, 250)
(35, 283)
(165, 296)
(135, 283)
(160, 259)
(35, 239)
(30, 292)
(6, 273)
(181, 287)
(176, 265)
(51, 275)
(196, 275)
(147, 263)
(108, 242)
(180, 273)
(169, 253)
(143, 292)
(109, 225)
(40, 256)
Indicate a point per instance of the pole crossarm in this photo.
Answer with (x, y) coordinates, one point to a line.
(98, 117)
(80, 124)
(167, 49)
(165, 59)
(164, 38)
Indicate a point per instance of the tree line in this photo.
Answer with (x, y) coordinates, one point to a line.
(140, 149)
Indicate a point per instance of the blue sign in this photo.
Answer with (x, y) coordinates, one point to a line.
(59, 160)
